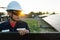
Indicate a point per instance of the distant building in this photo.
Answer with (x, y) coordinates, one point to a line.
(3, 14)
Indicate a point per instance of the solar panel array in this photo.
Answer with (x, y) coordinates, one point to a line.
(54, 21)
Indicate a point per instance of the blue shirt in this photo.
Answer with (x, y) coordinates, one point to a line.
(5, 26)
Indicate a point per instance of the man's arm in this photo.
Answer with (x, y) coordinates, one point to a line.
(27, 27)
(24, 31)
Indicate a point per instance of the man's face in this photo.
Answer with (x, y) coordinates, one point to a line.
(15, 16)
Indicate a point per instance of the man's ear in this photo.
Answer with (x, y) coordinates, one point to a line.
(9, 14)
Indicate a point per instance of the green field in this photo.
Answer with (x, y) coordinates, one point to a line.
(33, 25)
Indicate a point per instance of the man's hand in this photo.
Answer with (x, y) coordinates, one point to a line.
(23, 32)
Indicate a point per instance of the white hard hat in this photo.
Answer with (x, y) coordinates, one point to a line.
(14, 6)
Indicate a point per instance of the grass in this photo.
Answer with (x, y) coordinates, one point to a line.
(33, 25)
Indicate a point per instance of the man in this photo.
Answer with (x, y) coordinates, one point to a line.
(14, 24)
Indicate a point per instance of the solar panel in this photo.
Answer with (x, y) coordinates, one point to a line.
(54, 21)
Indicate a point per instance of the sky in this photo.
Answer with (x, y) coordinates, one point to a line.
(35, 5)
